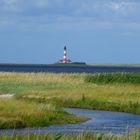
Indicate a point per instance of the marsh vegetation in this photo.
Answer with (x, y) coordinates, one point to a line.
(115, 92)
(38, 97)
(84, 136)
(20, 114)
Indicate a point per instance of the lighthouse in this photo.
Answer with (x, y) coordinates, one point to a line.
(65, 59)
(65, 55)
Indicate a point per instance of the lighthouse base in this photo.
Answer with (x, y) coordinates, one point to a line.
(72, 63)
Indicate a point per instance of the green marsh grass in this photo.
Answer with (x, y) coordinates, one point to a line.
(39, 96)
(76, 90)
(19, 114)
(107, 78)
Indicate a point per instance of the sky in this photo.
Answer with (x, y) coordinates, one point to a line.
(94, 31)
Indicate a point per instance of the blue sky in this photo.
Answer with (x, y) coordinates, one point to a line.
(95, 31)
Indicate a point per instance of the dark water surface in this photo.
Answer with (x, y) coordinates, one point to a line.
(100, 121)
(56, 68)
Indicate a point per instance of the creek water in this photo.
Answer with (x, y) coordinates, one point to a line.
(99, 122)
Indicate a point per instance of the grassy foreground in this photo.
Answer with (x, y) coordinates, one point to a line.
(76, 90)
(64, 90)
(83, 136)
(39, 95)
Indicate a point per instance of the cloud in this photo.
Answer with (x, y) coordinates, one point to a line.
(73, 7)
(103, 14)
(22, 6)
(124, 8)
(8, 5)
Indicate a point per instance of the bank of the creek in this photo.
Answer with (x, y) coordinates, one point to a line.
(100, 121)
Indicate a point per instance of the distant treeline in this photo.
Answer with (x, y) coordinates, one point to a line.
(107, 78)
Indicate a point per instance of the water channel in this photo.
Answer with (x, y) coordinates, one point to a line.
(99, 122)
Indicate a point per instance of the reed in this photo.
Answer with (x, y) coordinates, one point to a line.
(113, 78)
(82, 136)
